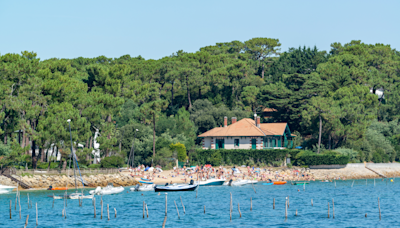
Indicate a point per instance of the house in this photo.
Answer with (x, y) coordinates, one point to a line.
(248, 134)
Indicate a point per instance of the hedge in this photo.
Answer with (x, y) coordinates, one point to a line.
(240, 156)
(267, 156)
(326, 158)
(112, 162)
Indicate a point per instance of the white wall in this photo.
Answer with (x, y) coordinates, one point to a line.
(206, 143)
(244, 142)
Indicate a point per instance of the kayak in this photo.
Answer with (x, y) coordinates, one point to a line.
(300, 183)
(279, 182)
(267, 183)
(145, 179)
(59, 188)
(144, 182)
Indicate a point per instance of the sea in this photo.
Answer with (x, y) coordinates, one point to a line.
(351, 203)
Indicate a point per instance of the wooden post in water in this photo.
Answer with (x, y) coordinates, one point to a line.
(36, 215)
(240, 213)
(62, 213)
(177, 211)
(16, 198)
(53, 202)
(94, 206)
(379, 206)
(288, 204)
(165, 220)
(166, 200)
(251, 204)
(19, 205)
(10, 209)
(312, 204)
(28, 199)
(147, 211)
(182, 205)
(204, 209)
(26, 221)
(101, 210)
(296, 212)
(230, 208)
(273, 205)
(365, 215)
(143, 209)
(115, 210)
(328, 210)
(108, 212)
(333, 208)
(352, 183)
(286, 207)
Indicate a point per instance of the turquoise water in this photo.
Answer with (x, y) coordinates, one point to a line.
(351, 204)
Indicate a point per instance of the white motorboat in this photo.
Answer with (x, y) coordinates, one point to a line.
(211, 182)
(6, 189)
(175, 188)
(79, 196)
(252, 182)
(143, 187)
(236, 183)
(109, 190)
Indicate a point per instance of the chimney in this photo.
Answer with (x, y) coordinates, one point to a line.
(234, 120)
(258, 122)
(225, 121)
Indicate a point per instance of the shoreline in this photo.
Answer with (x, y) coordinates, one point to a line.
(124, 178)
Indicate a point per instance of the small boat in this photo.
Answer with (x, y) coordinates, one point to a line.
(174, 188)
(6, 189)
(252, 182)
(267, 183)
(78, 195)
(144, 182)
(145, 179)
(58, 188)
(211, 182)
(279, 182)
(144, 187)
(108, 190)
(236, 183)
(299, 183)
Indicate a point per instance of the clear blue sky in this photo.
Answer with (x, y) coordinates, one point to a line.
(154, 29)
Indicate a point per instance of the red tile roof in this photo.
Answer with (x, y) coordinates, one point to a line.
(246, 127)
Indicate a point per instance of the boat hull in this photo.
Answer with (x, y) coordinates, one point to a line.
(279, 182)
(212, 183)
(175, 188)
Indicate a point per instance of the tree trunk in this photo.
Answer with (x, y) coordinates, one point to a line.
(87, 143)
(262, 72)
(154, 137)
(330, 144)
(90, 142)
(109, 137)
(320, 133)
(172, 93)
(188, 91)
(23, 138)
(5, 133)
(64, 164)
(200, 93)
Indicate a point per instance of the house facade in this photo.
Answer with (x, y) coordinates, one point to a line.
(248, 134)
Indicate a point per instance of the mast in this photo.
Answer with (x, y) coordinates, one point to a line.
(72, 152)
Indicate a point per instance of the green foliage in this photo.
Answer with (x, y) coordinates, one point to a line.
(112, 162)
(326, 158)
(289, 165)
(4, 150)
(239, 156)
(45, 165)
(180, 150)
(215, 158)
(94, 166)
(352, 154)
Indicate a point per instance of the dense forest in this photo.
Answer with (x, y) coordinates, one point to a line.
(329, 100)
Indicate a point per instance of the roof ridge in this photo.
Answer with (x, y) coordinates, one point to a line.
(254, 125)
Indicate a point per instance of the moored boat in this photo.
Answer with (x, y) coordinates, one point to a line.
(108, 190)
(279, 182)
(144, 187)
(252, 182)
(175, 188)
(236, 183)
(212, 182)
(267, 183)
(300, 183)
(6, 189)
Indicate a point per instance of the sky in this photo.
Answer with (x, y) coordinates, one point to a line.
(155, 29)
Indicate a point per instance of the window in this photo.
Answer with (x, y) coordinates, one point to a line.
(236, 143)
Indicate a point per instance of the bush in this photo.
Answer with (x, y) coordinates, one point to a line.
(112, 162)
(94, 166)
(289, 165)
(326, 158)
(376, 158)
(215, 159)
(240, 156)
(180, 149)
(44, 165)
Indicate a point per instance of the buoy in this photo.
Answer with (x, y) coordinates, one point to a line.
(391, 180)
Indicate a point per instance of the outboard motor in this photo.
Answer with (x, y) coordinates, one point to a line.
(230, 182)
(137, 187)
(191, 182)
(166, 184)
